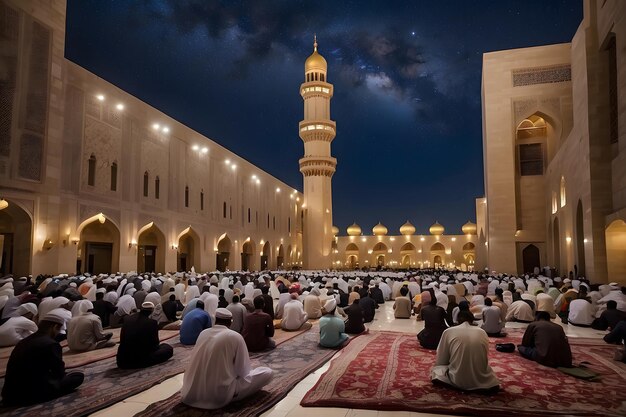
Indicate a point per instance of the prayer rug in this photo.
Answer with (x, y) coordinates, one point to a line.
(76, 359)
(390, 371)
(105, 384)
(291, 362)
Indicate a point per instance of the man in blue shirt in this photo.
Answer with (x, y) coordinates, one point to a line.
(193, 324)
(332, 328)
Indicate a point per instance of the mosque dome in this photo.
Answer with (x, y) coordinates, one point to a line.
(379, 229)
(354, 230)
(407, 229)
(469, 228)
(437, 229)
(335, 230)
(315, 61)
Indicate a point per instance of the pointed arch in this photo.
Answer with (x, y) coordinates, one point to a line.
(189, 250)
(150, 249)
(266, 255)
(280, 259)
(408, 246)
(16, 228)
(352, 247)
(380, 247)
(247, 255)
(223, 252)
(99, 245)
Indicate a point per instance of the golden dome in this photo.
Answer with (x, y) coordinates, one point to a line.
(379, 229)
(407, 229)
(469, 228)
(354, 230)
(335, 230)
(437, 229)
(315, 61)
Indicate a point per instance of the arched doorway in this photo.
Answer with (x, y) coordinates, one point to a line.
(437, 252)
(580, 240)
(352, 255)
(353, 261)
(224, 247)
(530, 259)
(247, 256)
(280, 259)
(150, 249)
(265, 256)
(289, 255)
(16, 233)
(188, 250)
(380, 260)
(407, 252)
(556, 245)
(616, 250)
(406, 261)
(99, 250)
(379, 251)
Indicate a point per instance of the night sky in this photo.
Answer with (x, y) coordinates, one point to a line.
(407, 78)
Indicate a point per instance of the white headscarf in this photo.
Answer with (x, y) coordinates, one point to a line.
(125, 304)
(81, 307)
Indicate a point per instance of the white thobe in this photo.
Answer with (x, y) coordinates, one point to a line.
(580, 312)
(220, 370)
(191, 293)
(293, 315)
(15, 329)
(520, 310)
(462, 359)
(210, 304)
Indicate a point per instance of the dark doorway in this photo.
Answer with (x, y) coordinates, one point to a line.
(99, 257)
(148, 252)
(182, 262)
(263, 262)
(6, 260)
(222, 261)
(531, 259)
(245, 261)
(280, 261)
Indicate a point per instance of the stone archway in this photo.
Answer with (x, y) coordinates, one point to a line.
(224, 248)
(280, 259)
(150, 249)
(407, 253)
(380, 251)
(16, 234)
(99, 250)
(437, 254)
(188, 250)
(247, 255)
(616, 250)
(530, 259)
(266, 256)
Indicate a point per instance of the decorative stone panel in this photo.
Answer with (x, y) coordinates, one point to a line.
(37, 91)
(542, 75)
(31, 157)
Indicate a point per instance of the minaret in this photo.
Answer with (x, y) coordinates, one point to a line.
(317, 131)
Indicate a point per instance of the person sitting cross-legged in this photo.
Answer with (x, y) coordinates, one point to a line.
(258, 328)
(492, 320)
(545, 342)
(84, 331)
(462, 358)
(220, 371)
(332, 328)
(193, 324)
(36, 371)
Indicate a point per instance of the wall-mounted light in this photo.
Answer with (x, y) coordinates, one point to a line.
(390, 251)
(568, 239)
(277, 189)
(585, 240)
(175, 246)
(132, 244)
(75, 240)
(3, 204)
(100, 97)
(156, 126)
(101, 218)
(119, 106)
(165, 129)
(48, 244)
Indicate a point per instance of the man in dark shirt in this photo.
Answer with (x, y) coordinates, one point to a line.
(139, 341)
(269, 302)
(368, 306)
(103, 309)
(545, 342)
(377, 294)
(36, 371)
(171, 307)
(609, 317)
(258, 328)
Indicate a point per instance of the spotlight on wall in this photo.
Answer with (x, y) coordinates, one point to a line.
(3, 204)
(48, 244)
(101, 218)
(100, 97)
(195, 147)
(156, 126)
(119, 106)
(568, 239)
(585, 240)
(233, 166)
(165, 129)
(175, 247)
(75, 240)
(132, 244)
(205, 150)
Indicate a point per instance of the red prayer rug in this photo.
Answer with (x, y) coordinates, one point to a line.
(390, 371)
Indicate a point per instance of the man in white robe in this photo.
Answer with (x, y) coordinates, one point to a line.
(20, 326)
(462, 358)
(220, 371)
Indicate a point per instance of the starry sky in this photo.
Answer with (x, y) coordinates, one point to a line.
(407, 77)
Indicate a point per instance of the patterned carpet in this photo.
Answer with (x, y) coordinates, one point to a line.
(390, 371)
(291, 362)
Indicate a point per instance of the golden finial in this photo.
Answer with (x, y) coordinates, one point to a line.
(315, 42)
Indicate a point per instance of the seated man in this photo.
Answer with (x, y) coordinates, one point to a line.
(171, 307)
(618, 334)
(609, 317)
(520, 311)
(239, 312)
(19, 327)
(332, 328)
(84, 331)
(368, 307)
(219, 370)
(581, 312)
(36, 371)
(313, 304)
(545, 342)
(462, 360)
(258, 328)
(193, 324)
(492, 320)
(139, 341)
(434, 323)
(402, 305)
(354, 324)
(294, 317)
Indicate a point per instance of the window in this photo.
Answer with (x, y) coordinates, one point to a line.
(186, 196)
(268, 220)
(202, 200)
(231, 212)
(146, 179)
(274, 222)
(248, 215)
(613, 116)
(555, 205)
(224, 209)
(157, 186)
(562, 188)
(322, 77)
(256, 215)
(289, 225)
(531, 159)
(114, 176)
(91, 173)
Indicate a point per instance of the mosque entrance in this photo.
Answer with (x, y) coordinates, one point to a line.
(100, 246)
(280, 259)
(188, 250)
(353, 261)
(247, 255)
(406, 261)
(150, 249)
(530, 259)
(15, 240)
(556, 246)
(616, 249)
(223, 253)
(380, 260)
(265, 256)
(437, 261)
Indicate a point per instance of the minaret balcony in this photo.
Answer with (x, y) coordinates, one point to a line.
(316, 88)
(317, 126)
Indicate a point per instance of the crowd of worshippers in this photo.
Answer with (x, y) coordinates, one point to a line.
(227, 315)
